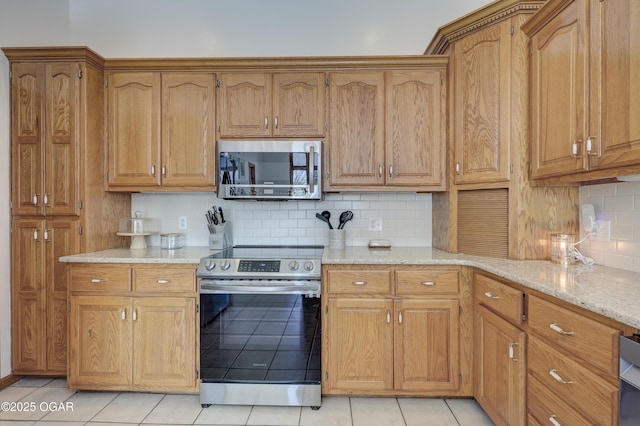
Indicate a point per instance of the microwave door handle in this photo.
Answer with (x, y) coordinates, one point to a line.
(312, 158)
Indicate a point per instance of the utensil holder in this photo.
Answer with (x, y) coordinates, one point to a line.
(220, 238)
(336, 238)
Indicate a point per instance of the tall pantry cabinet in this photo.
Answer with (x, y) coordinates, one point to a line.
(58, 202)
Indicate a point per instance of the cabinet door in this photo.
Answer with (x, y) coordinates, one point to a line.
(27, 151)
(299, 104)
(62, 84)
(164, 347)
(244, 105)
(415, 135)
(615, 77)
(558, 88)
(500, 368)
(188, 120)
(100, 341)
(426, 345)
(356, 126)
(61, 239)
(360, 348)
(133, 129)
(482, 65)
(28, 293)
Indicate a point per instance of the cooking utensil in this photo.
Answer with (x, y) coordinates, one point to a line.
(327, 214)
(324, 219)
(344, 218)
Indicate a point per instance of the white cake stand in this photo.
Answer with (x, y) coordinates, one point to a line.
(137, 239)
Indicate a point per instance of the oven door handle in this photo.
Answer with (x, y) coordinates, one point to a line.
(250, 286)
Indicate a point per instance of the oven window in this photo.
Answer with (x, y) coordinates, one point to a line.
(260, 338)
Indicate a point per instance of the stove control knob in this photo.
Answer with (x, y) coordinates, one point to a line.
(308, 265)
(293, 265)
(209, 265)
(225, 265)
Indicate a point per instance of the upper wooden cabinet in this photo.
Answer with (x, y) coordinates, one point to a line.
(45, 146)
(584, 94)
(387, 130)
(160, 131)
(271, 104)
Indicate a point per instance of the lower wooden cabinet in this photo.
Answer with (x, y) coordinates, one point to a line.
(394, 331)
(123, 339)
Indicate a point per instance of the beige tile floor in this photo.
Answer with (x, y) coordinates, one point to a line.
(48, 402)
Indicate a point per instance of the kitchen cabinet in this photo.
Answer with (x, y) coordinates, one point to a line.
(133, 328)
(394, 331)
(490, 207)
(160, 130)
(583, 70)
(387, 129)
(58, 204)
(499, 351)
(287, 104)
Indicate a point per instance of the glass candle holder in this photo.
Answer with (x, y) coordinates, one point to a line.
(562, 248)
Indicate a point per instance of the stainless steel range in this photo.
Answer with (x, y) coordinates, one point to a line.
(260, 326)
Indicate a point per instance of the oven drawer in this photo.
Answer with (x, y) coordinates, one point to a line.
(573, 382)
(100, 278)
(424, 282)
(499, 297)
(164, 279)
(359, 281)
(584, 337)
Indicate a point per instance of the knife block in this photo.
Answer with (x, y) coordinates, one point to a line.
(221, 237)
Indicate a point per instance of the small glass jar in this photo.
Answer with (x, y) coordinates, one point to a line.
(562, 249)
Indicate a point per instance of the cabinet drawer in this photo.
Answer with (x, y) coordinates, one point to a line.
(501, 298)
(427, 282)
(160, 279)
(543, 406)
(584, 337)
(573, 382)
(100, 278)
(360, 281)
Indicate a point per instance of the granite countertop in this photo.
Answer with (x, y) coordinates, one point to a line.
(613, 293)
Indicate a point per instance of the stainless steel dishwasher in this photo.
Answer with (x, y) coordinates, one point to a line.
(630, 380)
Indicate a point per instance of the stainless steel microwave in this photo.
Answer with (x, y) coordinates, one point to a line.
(269, 169)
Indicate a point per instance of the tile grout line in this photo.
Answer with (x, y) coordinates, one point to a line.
(401, 412)
(451, 411)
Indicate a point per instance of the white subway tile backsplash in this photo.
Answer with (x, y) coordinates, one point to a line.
(406, 218)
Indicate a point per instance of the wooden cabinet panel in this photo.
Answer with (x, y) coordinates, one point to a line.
(426, 345)
(361, 344)
(590, 340)
(415, 127)
(356, 124)
(482, 105)
(359, 281)
(558, 88)
(426, 282)
(164, 342)
(299, 104)
(499, 297)
(545, 407)
(100, 278)
(244, 104)
(188, 130)
(500, 368)
(164, 279)
(133, 128)
(100, 341)
(573, 383)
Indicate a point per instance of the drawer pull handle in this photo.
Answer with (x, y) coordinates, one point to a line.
(512, 355)
(97, 280)
(359, 282)
(491, 296)
(557, 377)
(135, 315)
(559, 330)
(553, 420)
(164, 281)
(388, 317)
(124, 314)
(429, 283)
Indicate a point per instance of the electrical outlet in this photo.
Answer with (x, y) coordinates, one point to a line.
(602, 229)
(182, 222)
(375, 224)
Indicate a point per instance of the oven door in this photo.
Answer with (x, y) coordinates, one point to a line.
(259, 344)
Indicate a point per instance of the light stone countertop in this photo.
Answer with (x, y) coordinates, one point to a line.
(613, 293)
